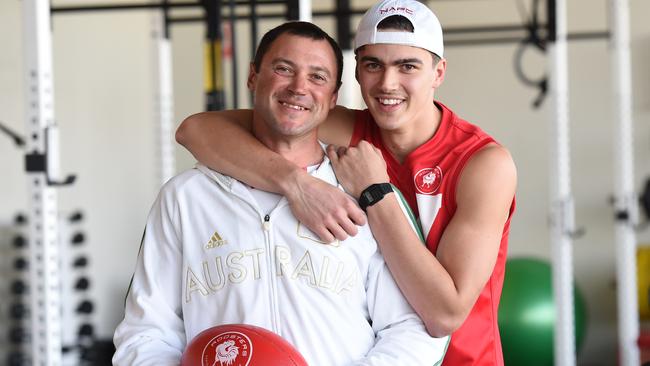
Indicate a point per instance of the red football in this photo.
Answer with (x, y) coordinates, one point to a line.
(240, 345)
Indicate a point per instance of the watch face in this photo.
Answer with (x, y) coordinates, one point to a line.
(374, 194)
(368, 195)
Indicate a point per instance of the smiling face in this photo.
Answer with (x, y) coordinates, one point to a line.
(397, 83)
(294, 88)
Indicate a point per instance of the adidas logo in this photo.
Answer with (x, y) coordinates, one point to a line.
(215, 241)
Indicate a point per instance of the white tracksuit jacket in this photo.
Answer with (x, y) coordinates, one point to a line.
(211, 256)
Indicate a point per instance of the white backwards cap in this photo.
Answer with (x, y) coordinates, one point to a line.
(427, 31)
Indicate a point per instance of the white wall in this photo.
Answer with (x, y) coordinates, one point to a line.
(103, 103)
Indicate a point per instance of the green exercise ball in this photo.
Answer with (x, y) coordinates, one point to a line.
(527, 313)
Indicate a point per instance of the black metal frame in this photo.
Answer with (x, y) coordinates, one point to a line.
(532, 33)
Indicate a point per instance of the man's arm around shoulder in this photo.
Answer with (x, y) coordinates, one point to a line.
(223, 141)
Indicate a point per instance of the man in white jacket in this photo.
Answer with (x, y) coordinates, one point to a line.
(217, 251)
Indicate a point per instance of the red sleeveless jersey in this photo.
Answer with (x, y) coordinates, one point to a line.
(428, 179)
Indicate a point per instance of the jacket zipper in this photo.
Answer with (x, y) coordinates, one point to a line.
(266, 226)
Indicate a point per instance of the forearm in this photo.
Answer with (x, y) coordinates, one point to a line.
(223, 141)
(427, 285)
(423, 280)
(231, 149)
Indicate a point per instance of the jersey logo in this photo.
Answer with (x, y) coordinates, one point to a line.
(427, 180)
(215, 241)
(227, 349)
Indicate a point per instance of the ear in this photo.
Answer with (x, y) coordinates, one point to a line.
(252, 77)
(356, 67)
(334, 98)
(439, 73)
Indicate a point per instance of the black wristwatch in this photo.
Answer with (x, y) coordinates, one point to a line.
(373, 194)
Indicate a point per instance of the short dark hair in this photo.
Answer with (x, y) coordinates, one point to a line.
(302, 29)
(396, 22)
(401, 23)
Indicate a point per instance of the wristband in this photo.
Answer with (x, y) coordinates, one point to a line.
(373, 194)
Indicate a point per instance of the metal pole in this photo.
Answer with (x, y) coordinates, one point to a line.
(42, 159)
(254, 31)
(253, 23)
(162, 4)
(215, 97)
(625, 199)
(562, 205)
(233, 52)
(164, 95)
(304, 10)
(343, 33)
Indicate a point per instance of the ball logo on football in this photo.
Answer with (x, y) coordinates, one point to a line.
(227, 349)
(240, 345)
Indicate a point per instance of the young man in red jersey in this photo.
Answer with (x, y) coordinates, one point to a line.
(459, 182)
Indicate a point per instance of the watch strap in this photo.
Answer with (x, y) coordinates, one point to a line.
(373, 194)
